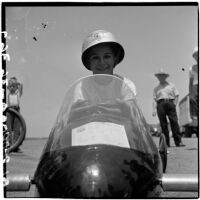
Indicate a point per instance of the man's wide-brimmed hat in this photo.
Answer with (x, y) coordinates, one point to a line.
(161, 72)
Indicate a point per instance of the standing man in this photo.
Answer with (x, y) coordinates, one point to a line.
(194, 84)
(165, 100)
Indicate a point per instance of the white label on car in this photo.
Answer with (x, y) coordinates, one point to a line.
(100, 133)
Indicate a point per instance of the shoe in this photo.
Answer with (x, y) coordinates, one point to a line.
(180, 144)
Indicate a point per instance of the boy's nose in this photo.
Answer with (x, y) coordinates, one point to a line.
(102, 61)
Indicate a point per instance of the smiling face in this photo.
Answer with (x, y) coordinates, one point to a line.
(102, 59)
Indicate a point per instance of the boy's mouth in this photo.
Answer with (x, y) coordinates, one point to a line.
(102, 69)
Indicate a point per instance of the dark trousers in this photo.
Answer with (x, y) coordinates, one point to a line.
(12, 117)
(167, 108)
(194, 100)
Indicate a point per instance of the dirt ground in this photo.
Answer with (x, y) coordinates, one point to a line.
(181, 160)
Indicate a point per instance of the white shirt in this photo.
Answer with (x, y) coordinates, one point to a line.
(193, 74)
(131, 85)
(167, 91)
(113, 90)
(13, 99)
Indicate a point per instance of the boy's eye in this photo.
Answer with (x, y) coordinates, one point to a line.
(94, 57)
(107, 56)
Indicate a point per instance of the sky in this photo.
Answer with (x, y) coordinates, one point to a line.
(44, 44)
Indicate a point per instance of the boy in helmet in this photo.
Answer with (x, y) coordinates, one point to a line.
(101, 53)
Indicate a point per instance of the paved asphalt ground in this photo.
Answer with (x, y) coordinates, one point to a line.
(180, 160)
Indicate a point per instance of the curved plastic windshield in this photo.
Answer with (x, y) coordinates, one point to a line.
(101, 109)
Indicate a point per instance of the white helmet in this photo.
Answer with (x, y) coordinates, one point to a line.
(195, 51)
(99, 37)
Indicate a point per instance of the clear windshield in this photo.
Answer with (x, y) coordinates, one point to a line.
(100, 109)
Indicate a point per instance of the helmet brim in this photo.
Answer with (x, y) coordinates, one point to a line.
(161, 74)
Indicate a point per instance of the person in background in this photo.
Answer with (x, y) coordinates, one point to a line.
(101, 53)
(15, 90)
(165, 100)
(194, 84)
